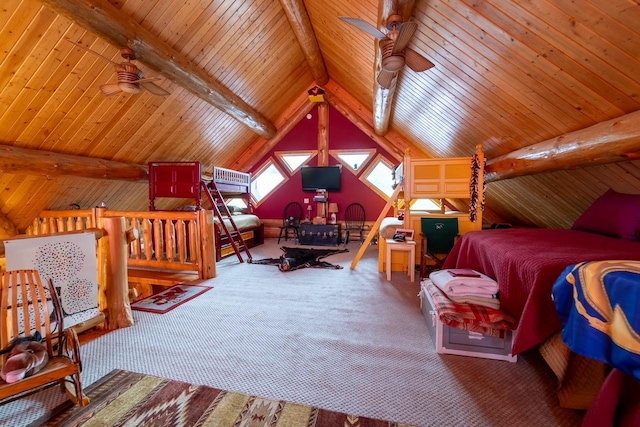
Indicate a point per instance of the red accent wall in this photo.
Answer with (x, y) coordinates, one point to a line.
(342, 135)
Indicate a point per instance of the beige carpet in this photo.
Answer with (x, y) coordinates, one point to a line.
(345, 340)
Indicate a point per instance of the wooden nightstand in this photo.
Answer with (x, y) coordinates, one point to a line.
(410, 247)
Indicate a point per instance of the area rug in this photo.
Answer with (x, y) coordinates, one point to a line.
(296, 258)
(169, 299)
(124, 398)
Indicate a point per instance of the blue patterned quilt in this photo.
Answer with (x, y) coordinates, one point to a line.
(599, 303)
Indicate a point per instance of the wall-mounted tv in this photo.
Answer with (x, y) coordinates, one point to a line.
(320, 178)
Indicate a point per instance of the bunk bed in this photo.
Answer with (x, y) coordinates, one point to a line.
(184, 180)
(448, 178)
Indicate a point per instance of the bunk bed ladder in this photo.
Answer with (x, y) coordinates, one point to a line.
(234, 236)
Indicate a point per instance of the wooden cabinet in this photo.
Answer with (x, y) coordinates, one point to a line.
(320, 235)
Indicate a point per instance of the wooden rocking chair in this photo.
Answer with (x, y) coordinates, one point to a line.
(24, 310)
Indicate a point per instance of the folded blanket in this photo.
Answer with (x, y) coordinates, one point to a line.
(483, 301)
(469, 317)
(480, 286)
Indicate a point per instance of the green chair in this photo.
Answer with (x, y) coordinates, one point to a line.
(438, 237)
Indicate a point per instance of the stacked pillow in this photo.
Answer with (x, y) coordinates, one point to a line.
(613, 214)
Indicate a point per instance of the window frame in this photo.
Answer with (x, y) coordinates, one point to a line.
(255, 175)
(281, 154)
(372, 165)
(371, 155)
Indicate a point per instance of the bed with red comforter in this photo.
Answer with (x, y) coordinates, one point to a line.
(526, 263)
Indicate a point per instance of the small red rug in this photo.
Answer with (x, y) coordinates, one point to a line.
(169, 299)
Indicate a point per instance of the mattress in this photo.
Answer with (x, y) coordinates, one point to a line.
(243, 221)
(388, 227)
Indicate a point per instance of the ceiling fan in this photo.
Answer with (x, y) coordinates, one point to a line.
(393, 46)
(130, 77)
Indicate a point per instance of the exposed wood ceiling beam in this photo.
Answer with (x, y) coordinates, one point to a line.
(301, 24)
(611, 141)
(47, 163)
(392, 142)
(106, 21)
(383, 98)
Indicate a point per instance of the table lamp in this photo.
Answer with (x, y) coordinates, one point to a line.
(333, 209)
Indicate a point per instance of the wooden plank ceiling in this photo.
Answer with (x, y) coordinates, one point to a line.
(508, 75)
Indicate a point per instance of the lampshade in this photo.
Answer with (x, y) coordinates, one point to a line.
(309, 207)
(333, 207)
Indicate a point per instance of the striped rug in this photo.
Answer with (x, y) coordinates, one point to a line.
(124, 398)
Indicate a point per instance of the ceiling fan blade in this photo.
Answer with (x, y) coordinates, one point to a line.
(110, 89)
(364, 26)
(148, 79)
(154, 88)
(416, 62)
(404, 35)
(385, 78)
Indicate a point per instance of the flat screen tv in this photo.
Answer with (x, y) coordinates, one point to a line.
(320, 178)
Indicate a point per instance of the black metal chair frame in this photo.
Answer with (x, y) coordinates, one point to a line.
(291, 217)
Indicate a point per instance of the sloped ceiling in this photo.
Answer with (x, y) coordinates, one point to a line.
(508, 75)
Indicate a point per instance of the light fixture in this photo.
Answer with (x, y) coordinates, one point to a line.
(316, 94)
(333, 209)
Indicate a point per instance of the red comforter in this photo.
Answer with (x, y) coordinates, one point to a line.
(526, 263)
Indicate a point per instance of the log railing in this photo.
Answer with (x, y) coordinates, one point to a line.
(49, 222)
(167, 240)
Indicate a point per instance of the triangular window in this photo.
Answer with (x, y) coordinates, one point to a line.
(266, 180)
(354, 160)
(293, 160)
(378, 176)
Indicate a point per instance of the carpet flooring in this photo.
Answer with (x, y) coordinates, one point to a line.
(344, 340)
(124, 398)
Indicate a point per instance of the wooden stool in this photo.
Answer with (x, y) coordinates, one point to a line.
(408, 246)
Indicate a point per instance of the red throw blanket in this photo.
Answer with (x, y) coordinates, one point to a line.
(469, 317)
(526, 263)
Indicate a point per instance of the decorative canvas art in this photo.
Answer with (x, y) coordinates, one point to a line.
(70, 262)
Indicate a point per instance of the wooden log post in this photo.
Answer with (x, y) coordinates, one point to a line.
(323, 134)
(112, 266)
(207, 266)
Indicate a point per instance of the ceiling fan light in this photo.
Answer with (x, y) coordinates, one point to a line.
(393, 63)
